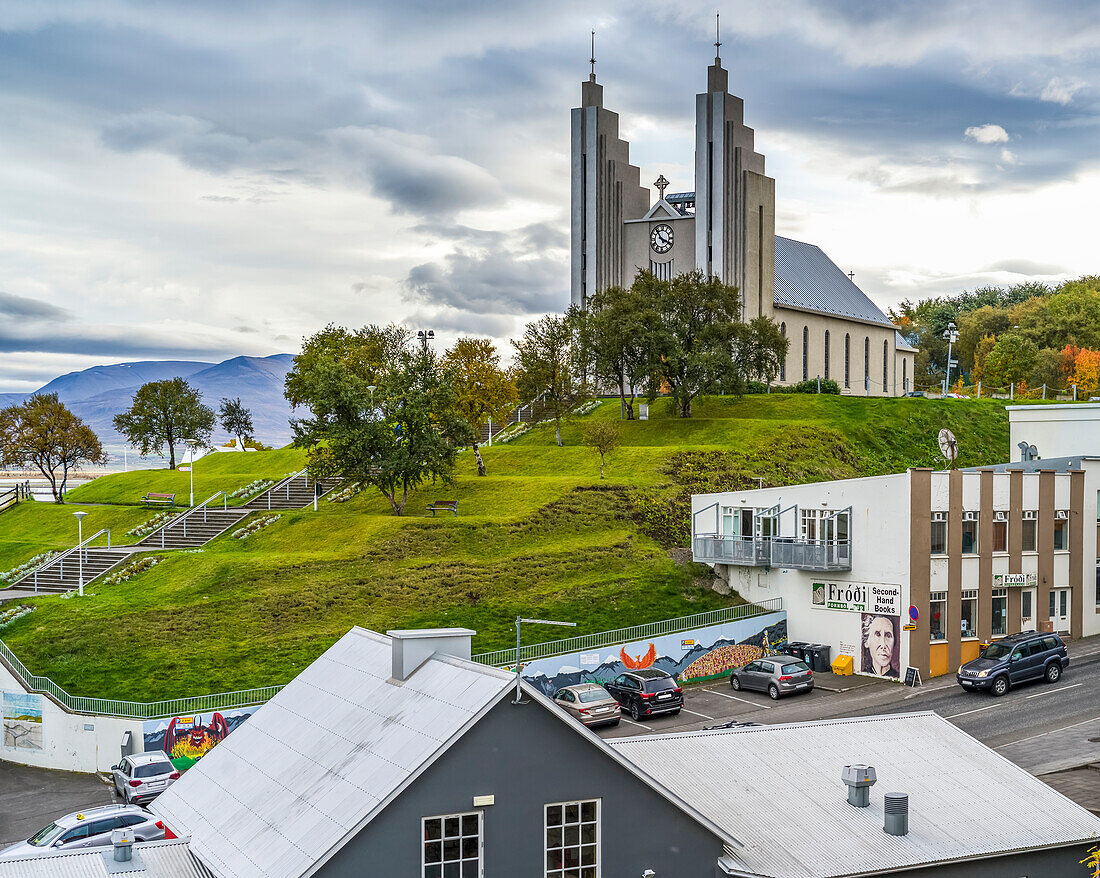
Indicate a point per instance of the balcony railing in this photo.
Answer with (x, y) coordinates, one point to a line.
(773, 552)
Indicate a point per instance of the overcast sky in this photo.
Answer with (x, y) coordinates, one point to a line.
(204, 179)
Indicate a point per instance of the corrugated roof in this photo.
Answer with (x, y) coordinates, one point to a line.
(901, 344)
(162, 859)
(777, 790)
(806, 278)
(317, 762)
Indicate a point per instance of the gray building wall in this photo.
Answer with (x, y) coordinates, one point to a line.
(527, 759)
(1056, 863)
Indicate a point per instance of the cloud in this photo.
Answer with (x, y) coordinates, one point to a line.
(113, 341)
(23, 308)
(1027, 267)
(987, 134)
(1061, 91)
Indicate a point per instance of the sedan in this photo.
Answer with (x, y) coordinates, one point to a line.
(86, 829)
(777, 675)
(590, 703)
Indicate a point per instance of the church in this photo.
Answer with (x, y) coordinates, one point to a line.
(725, 228)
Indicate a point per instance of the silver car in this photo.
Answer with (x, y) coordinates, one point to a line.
(143, 777)
(86, 829)
(777, 675)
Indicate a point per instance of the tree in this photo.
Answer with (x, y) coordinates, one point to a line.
(483, 390)
(973, 327)
(759, 348)
(616, 329)
(164, 413)
(382, 412)
(44, 434)
(981, 354)
(1086, 371)
(1011, 360)
(1047, 369)
(603, 436)
(547, 358)
(694, 335)
(236, 420)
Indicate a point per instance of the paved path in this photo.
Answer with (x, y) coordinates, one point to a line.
(33, 797)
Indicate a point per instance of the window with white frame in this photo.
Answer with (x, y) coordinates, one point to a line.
(937, 615)
(452, 846)
(1000, 612)
(573, 840)
(939, 533)
(1061, 530)
(969, 613)
(970, 533)
(1000, 532)
(1030, 527)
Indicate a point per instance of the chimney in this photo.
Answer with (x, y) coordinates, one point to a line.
(412, 648)
(897, 813)
(859, 779)
(123, 842)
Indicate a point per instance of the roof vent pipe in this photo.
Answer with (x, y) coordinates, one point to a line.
(859, 778)
(123, 842)
(897, 813)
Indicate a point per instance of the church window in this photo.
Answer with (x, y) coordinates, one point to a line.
(904, 375)
(826, 353)
(847, 359)
(866, 363)
(885, 362)
(805, 353)
(783, 362)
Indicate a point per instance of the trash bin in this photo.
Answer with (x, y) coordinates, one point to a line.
(821, 653)
(796, 648)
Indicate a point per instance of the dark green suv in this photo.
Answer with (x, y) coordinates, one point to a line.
(1015, 659)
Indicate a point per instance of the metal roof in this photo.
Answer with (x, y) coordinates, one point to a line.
(316, 763)
(161, 859)
(806, 278)
(750, 782)
(901, 344)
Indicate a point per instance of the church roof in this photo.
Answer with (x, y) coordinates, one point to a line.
(808, 279)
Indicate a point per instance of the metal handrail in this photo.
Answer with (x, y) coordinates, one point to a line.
(133, 709)
(59, 560)
(285, 483)
(182, 519)
(628, 635)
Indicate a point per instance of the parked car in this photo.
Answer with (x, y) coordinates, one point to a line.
(143, 777)
(777, 675)
(1015, 659)
(647, 692)
(916, 394)
(86, 829)
(590, 703)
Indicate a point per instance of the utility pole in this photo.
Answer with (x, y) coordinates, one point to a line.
(952, 336)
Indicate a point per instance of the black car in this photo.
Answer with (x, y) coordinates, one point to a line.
(1015, 659)
(646, 693)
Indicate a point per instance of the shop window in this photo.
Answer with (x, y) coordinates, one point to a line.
(939, 533)
(1000, 612)
(1061, 533)
(970, 534)
(1029, 532)
(969, 615)
(452, 846)
(573, 840)
(937, 615)
(1026, 611)
(1000, 536)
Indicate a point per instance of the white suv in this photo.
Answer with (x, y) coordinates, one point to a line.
(143, 777)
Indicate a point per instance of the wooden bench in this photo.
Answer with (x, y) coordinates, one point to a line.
(445, 505)
(151, 499)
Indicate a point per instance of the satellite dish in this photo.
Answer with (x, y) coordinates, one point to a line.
(949, 446)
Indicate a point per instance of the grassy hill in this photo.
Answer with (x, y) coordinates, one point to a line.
(540, 535)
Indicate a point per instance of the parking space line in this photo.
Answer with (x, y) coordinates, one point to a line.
(703, 715)
(978, 709)
(742, 700)
(1052, 691)
(639, 725)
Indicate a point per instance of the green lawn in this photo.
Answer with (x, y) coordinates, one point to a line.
(540, 535)
(34, 527)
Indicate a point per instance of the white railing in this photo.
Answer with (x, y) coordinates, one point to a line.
(285, 485)
(588, 642)
(822, 555)
(182, 519)
(58, 561)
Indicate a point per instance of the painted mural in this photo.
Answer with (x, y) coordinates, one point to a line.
(22, 721)
(698, 654)
(186, 739)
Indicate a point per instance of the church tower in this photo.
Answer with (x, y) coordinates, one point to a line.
(734, 199)
(606, 191)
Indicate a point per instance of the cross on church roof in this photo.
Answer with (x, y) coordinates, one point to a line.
(661, 183)
(717, 37)
(592, 59)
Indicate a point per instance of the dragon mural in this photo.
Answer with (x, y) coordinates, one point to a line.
(187, 740)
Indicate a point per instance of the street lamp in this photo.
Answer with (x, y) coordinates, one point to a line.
(80, 550)
(952, 336)
(425, 336)
(194, 443)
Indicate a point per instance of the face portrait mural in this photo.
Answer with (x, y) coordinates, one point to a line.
(880, 645)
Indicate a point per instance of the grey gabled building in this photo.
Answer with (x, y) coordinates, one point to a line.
(398, 756)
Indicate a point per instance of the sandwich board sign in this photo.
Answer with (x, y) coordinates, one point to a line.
(912, 676)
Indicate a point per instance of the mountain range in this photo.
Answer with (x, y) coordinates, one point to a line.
(98, 394)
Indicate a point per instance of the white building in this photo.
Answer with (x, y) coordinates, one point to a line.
(960, 556)
(1054, 430)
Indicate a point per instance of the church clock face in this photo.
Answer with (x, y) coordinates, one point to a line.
(660, 239)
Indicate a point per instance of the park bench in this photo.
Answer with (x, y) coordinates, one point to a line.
(151, 499)
(445, 505)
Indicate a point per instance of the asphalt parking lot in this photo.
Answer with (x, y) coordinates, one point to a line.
(31, 798)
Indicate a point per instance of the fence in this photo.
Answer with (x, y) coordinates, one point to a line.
(132, 709)
(588, 642)
(11, 496)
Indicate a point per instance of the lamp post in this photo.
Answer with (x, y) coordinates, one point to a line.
(425, 335)
(952, 336)
(79, 516)
(191, 469)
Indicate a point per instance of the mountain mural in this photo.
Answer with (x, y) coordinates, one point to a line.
(100, 393)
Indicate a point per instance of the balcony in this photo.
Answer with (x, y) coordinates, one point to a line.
(772, 552)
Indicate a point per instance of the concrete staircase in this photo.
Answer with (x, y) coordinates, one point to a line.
(293, 492)
(528, 413)
(194, 528)
(64, 573)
